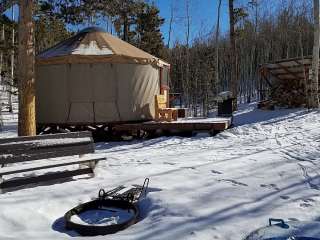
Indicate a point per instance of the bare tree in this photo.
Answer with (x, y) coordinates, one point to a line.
(12, 63)
(187, 76)
(233, 80)
(2, 39)
(313, 86)
(26, 79)
(170, 24)
(217, 48)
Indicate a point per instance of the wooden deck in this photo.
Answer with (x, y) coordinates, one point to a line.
(187, 125)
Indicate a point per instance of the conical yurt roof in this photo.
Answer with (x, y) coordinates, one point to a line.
(95, 45)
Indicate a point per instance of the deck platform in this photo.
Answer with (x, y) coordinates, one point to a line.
(185, 125)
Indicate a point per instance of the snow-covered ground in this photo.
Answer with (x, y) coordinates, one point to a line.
(203, 187)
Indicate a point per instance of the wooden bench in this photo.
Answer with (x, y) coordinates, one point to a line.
(35, 150)
(162, 112)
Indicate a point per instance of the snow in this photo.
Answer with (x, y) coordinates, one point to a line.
(203, 187)
(82, 49)
(103, 217)
(91, 49)
(204, 120)
(50, 142)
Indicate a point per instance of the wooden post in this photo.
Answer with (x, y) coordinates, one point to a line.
(26, 85)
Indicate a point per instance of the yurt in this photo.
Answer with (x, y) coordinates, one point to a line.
(96, 78)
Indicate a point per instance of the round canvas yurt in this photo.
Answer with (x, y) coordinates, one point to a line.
(94, 77)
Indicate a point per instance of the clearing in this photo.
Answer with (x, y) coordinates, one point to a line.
(203, 187)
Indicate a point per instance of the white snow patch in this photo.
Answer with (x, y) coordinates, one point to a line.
(91, 49)
(50, 142)
(103, 217)
(221, 187)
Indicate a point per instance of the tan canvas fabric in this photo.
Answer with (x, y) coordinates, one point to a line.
(145, 88)
(81, 112)
(80, 84)
(95, 45)
(94, 77)
(106, 112)
(137, 85)
(51, 93)
(96, 93)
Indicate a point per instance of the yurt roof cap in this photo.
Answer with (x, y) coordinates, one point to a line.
(93, 45)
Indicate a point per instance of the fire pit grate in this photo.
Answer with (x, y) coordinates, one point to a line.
(112, 211)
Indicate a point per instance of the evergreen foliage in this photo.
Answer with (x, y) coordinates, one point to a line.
(148, 30)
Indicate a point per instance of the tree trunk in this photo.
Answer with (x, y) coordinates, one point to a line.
(189, 96)
(12, 65)
(125, 27)
(170, 26)
(26, 84)
(234, 80)
(313, 98)
(217, 49)
(1, 55)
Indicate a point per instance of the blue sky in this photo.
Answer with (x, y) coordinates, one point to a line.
(203, 15)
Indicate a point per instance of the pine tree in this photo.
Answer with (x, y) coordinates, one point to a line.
(233, 76)
(48, 32)
(148, 30)
(26, 85)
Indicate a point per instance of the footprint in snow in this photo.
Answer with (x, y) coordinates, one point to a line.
(169, 163)
(216, 172)
(285, 197)
(270, 186)
(305, 205)
(312, 180)
(192, 168)
(234, 182)
(307, 202)
(143, 162)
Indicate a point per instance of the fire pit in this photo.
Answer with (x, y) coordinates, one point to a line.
(111, 212)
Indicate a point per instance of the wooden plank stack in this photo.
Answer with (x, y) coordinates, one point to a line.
(289, 93)
(286, 81)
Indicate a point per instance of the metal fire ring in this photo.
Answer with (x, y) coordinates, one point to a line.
(94, 230)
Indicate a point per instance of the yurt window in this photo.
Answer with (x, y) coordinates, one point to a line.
(165, 76)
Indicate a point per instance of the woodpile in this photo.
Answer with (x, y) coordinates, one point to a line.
(288, 93)
(266, 105)
(285, 81)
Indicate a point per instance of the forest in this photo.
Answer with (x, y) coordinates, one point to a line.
(160, 119)
(201, 67)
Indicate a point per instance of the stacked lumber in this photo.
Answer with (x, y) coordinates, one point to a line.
(266, 105)
(289, 93)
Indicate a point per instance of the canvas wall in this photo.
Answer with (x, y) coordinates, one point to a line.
(95, 93)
